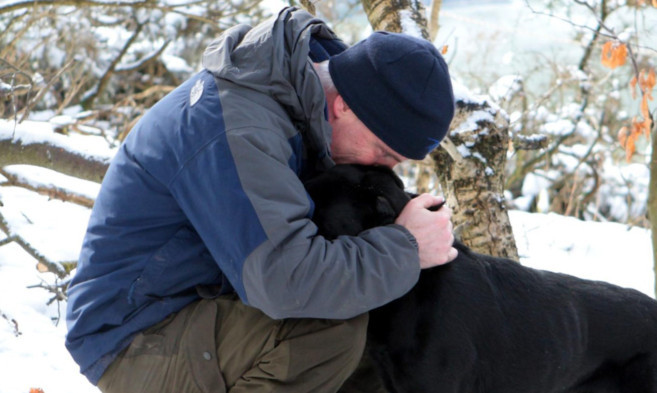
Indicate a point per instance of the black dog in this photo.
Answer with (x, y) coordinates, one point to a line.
(488, 325)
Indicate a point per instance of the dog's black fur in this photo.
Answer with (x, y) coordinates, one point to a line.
(488, 325)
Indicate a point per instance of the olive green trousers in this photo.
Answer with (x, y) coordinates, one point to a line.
(221, 345)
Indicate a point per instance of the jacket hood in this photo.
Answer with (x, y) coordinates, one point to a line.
(272, 59)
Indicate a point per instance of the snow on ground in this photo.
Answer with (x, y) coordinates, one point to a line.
(32, 353)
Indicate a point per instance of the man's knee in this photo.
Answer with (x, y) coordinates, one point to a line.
(336, 346)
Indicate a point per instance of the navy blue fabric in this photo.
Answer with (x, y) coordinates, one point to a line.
(399, 87)
(142, 256)
(322, 49)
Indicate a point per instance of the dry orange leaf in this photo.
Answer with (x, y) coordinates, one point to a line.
(443, 50)
(645, 112)
(627, 137)
(627, 142)
(614, 54)
(622, 136)
(36, 390)
(647, 81)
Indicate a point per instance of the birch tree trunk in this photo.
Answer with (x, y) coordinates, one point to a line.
(470, 167)
(473, 180)
(387, 15)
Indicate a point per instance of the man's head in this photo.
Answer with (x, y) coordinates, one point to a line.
(398, 87)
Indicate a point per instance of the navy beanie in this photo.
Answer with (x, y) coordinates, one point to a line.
(399, 87)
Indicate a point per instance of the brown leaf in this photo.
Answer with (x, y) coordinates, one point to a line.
(614, 54)
(633, 85)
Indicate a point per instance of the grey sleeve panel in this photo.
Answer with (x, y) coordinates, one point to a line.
(298, 274)
(317, 278)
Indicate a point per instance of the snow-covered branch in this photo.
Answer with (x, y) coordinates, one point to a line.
(36, 143)
(53, 184)
(43, 263)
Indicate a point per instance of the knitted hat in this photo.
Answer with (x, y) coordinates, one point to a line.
(399, 87)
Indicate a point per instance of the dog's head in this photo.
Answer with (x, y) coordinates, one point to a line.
(351, 198)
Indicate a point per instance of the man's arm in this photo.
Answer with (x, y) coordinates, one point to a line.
(254, 219)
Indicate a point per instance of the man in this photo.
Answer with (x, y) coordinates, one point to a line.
(201, 270)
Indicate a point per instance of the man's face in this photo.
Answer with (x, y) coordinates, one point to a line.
(354, 143)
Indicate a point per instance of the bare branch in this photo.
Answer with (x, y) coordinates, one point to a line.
(12, 323)
(49, 265)
(144, 61)
(26, 111)
(434, 25)
(144, 4)
(88, 101)
(529, 142)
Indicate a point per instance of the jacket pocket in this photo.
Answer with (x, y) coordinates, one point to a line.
(175, 269)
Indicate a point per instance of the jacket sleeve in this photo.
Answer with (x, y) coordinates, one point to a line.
(251, 210)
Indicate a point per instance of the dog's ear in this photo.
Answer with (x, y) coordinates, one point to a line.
(384, 182)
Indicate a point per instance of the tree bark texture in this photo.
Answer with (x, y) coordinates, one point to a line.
(385, 14)
(13, 152)
(470, 167)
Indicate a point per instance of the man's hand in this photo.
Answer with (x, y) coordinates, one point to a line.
(432, 230)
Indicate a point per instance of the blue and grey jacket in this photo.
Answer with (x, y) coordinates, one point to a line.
(206, 190)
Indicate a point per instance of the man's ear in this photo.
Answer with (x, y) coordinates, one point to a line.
(340, 107)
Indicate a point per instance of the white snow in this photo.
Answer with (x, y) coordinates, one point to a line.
(505, 87)
(408, 25)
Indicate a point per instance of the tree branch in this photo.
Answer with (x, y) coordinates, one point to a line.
(434, 25)
(12, 323)
(44, 264)
(89, 99)
(72, 163)
(52, 191)
(144, 4)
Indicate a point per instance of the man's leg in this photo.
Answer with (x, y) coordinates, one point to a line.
(254, 353)
(176, 355)
(258, 354)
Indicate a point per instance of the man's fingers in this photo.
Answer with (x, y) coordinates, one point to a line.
(428, 200)
(452, 254)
